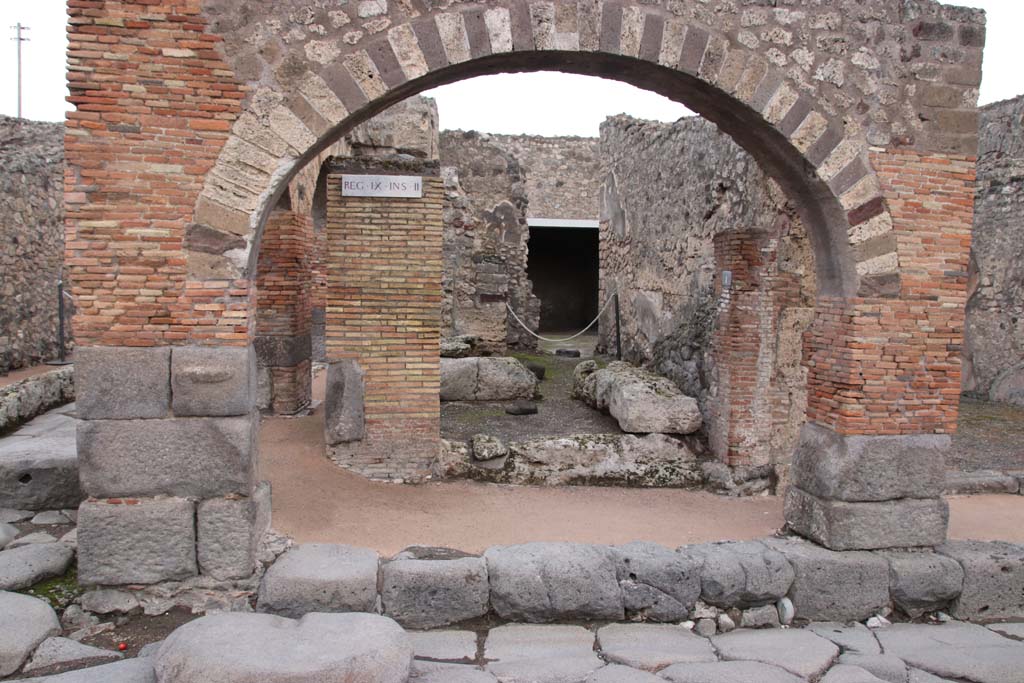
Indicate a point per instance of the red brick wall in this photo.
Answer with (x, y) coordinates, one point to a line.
(384, 310)
(154, 105)
(892, 366)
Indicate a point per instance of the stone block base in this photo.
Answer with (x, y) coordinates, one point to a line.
(993, 585)
(839, 525)
(123, 541)
(229, 531)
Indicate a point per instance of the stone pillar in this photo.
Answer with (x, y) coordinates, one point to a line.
(283, 338)
(166, 447)
(383, 266)
(885, 376)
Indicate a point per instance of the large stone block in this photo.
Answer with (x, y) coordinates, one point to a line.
(641, 409)
(993, 579)
(869, 468)
(839, 525)
(923, 581)
(539, 582)
(485, 379)
(122, 383)
(741, 573)
(657, 584)
(39, 473)
(344, 403)
(431, 593)
(136, 541)
(189, 456)
(213, 381)
(318, 577)
(831, 586)
(229, 530)
(25, 622)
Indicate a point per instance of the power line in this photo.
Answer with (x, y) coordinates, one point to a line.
(19, 39)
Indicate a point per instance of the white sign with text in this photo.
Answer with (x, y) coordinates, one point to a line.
(381, 186)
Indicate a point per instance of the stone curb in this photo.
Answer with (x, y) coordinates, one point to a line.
(33, 396)
(732, 583)
(981, 481)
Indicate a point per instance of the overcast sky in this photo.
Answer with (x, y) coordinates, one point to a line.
(538, 104)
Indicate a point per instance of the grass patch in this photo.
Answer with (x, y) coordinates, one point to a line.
(60, 591)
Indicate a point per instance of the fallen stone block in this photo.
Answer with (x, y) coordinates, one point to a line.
(486, 379)
(210, 381)
(327, 648)
(195, 457)
(25, 622)
(431, 593)
(923, 582)
(993, 586)
(641, 401)
(122, 383)
(136, 541)
(834, 586)
(840, 525)
(538, 582)
(27, 565)
(657, 584)
(741, 573)
(229, 531)
(344, 402)
(39, 473)
(320, 577)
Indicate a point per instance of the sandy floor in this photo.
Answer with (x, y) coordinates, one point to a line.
(314, 500)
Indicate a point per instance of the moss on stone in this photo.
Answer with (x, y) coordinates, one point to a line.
(60, 591)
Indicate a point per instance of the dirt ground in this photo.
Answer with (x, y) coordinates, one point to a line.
(316, 501)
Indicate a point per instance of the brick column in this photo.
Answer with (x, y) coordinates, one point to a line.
(383, 321)
(283, 312)
(885, 371)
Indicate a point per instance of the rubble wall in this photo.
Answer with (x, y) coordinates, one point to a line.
(670, 189)
(994, 334)
(31, 240)
(562, 174)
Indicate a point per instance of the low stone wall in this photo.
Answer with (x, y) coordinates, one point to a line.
(21, 401)
(759, 583)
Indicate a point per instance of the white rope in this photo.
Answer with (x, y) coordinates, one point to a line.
(558, 341)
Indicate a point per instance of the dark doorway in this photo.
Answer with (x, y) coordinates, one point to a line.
(563, 266)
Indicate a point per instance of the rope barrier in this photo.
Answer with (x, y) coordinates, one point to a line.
(559, 341)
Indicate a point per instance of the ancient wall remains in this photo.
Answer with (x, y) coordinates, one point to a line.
(994, 333)
(485, 257)
(562, 174)
(31, 240)
(681, 203)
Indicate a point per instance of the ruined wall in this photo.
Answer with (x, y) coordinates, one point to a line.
(485, 258)
(562, 174)
(994, 334)
(671, 193)
(31, 240)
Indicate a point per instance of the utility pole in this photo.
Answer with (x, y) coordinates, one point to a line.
(19, 39)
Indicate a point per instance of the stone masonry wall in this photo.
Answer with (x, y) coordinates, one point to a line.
(994, 334)
(682, 202)
(489, 270)
(562, 174)
(31, 240)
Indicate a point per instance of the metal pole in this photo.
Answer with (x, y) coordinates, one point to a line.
(19, 40)
(60, 321)
(618, 329)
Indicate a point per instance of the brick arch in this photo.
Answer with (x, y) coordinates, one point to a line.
(819, 162)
